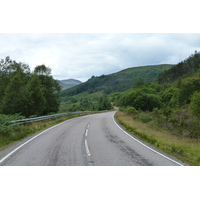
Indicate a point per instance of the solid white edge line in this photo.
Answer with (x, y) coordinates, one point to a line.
(8, 155)
(145, 144)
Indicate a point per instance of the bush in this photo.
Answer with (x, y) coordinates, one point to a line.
(5, 126)
(131, 110)
(195, 104)
(144, 117)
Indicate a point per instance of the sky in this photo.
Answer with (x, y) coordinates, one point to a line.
(79, 39)
(82, 55)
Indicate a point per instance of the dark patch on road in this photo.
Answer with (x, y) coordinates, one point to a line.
(128, 151)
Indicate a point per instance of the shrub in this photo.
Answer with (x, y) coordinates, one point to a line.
(195, 104)
(144, 117)
(5, 126)
(131, 110)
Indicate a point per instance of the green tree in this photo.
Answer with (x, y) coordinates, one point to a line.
(42, 70)
(15, 100)
(187, 89)
(51, 88)
(104, 103)
(35, 96)
(195, 104)
(8, 69)
(168, 94)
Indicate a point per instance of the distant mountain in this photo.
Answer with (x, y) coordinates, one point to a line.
(68, 83)
(118, 82)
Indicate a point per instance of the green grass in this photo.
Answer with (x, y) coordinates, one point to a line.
(185, 149)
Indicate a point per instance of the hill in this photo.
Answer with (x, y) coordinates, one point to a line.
(189, 65)
(118, 82)
(68, 83)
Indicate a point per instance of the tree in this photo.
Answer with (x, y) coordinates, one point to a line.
(51, 89)
(27, 93)
(104, 103)
(15, 100)
(187, 89)
(35, 95)
(195, 104)
(8, 69)
(42, 70)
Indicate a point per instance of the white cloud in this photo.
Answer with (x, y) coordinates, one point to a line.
(83, 55)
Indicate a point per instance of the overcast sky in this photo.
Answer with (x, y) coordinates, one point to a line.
(79, 39)
(83, 55)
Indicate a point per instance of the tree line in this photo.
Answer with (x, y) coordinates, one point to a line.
(189, 65)
(27, 93)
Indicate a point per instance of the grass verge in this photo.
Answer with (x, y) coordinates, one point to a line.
(29, 129)
(185, 149)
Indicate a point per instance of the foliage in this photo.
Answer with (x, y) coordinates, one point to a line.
(15, 100)
(27, 93)
(191, 64)
(35, 95)
(104, 103)
(195, 104)
(143, 98)
(5, 126)
(85, 101)
(187, 89)
(131, 110)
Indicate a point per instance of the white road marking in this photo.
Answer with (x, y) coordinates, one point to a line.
(87, 148)
(86, 132)
(145, 144)
(86, 144)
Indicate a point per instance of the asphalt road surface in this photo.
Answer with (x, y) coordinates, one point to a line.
(92, 140)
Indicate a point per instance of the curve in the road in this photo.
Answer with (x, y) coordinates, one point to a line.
(88, 140)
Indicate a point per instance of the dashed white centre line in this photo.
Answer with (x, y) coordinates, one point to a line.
(86, 144)
(87, 148)
(86, 132)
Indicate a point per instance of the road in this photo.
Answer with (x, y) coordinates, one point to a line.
(91, 140)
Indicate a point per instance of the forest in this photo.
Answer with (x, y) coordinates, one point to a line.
(27, 93)
(117, 82)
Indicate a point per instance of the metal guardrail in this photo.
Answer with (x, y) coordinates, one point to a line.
(36, 119)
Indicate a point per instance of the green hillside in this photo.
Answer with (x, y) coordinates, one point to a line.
(118, 82)
(68, 83)
(189, 65)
